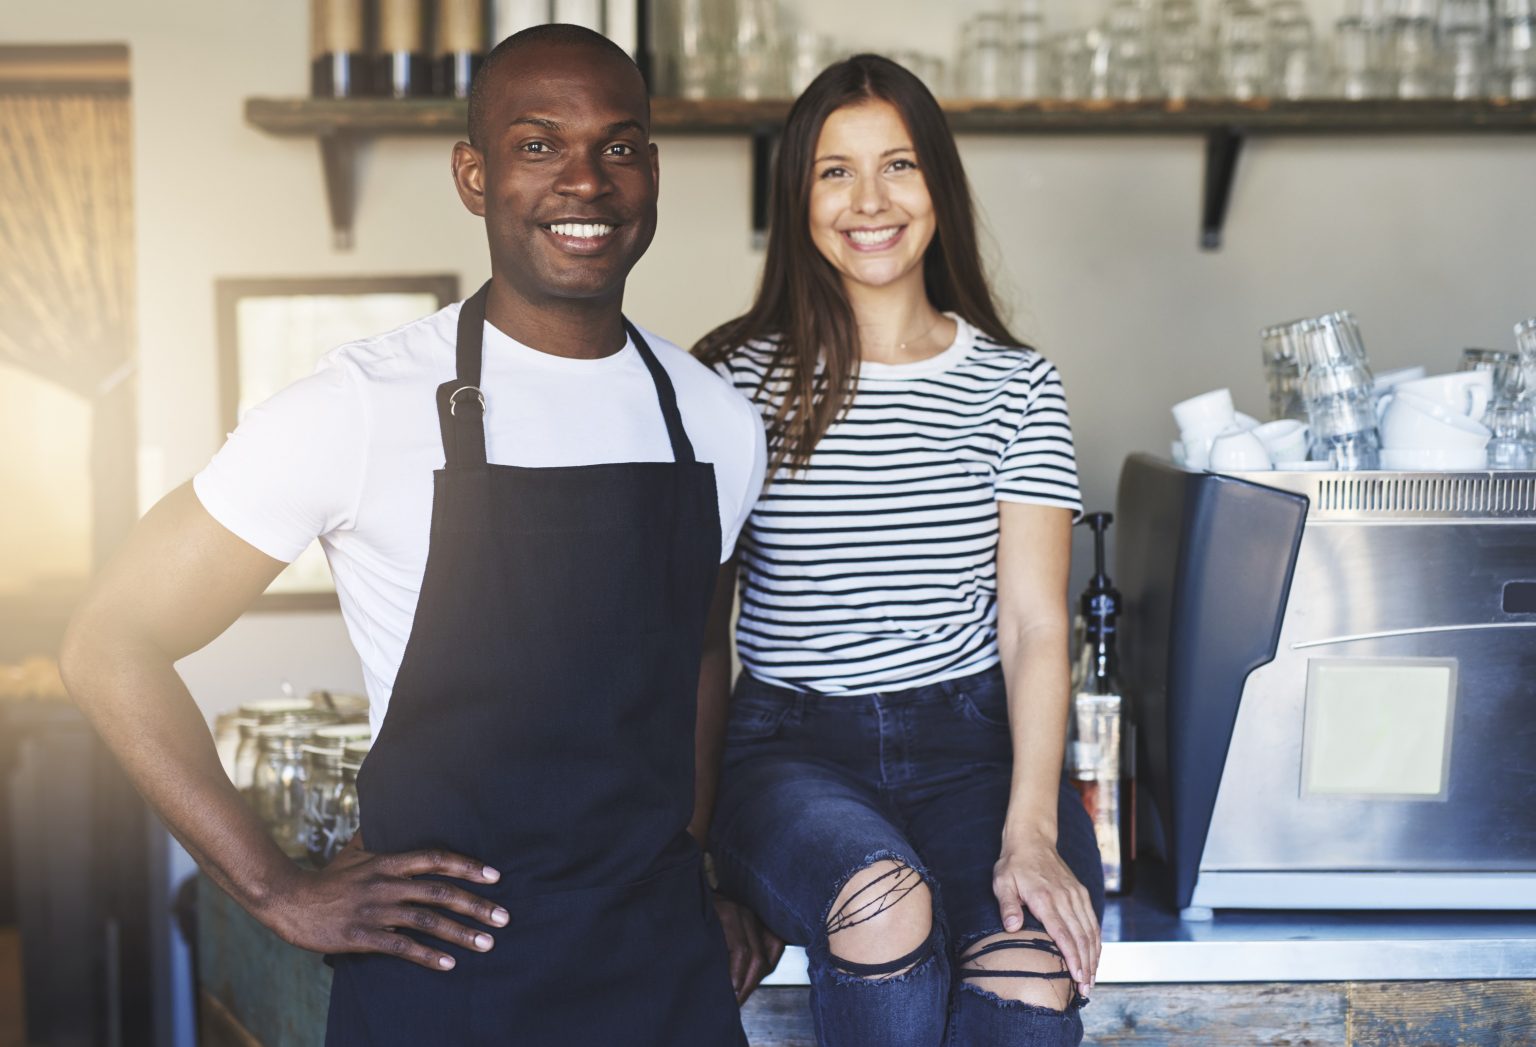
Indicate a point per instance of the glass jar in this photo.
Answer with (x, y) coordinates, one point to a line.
(278, 786)
(322, 786)
(260, 714)
(348, 814)
(322, 793)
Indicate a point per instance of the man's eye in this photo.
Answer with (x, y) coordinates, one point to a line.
(535, 147)
(620, 149)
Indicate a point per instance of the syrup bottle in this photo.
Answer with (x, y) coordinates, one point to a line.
(1101, 738)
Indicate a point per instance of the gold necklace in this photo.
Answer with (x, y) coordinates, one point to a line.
(901, 347)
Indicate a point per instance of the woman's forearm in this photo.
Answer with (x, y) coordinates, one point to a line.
(1035, 668)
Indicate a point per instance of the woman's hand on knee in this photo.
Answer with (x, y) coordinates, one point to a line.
(1031, 875)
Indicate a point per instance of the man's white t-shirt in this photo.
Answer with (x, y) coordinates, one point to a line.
(347, 455)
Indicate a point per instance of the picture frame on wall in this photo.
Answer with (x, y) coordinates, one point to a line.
(273, 331)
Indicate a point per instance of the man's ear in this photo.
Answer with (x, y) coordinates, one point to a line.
(469, 177)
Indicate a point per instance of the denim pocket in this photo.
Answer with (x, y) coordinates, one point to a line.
(754, 717)
(985, 701)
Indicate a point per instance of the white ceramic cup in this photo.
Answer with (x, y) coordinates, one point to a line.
(1420, 460)
(1176, 452)
(1389, 380)
(1414, 423)
(1466, 392)
(1206, 414)
(1285, 439)
(1236, 450)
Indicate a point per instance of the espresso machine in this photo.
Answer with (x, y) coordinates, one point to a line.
(1335, 677)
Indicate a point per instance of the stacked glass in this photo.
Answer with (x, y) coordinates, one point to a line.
(1282, 372)
(1507, 417)
(1337, 392)
(1515, 47)
(1514, 428)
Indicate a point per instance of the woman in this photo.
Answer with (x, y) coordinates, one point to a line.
(892, 794)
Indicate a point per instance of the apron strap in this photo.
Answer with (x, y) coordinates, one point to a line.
(682, 447)
(461, 404)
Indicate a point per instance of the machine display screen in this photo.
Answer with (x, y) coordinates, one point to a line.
(1378, 727)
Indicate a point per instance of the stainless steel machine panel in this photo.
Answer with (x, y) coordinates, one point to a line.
(1421, 585)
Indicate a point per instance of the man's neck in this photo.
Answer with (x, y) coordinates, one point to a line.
(579, 328)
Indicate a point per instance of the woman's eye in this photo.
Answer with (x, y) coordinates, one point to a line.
(903, 165)
(834, 172)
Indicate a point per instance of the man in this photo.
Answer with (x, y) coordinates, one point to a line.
(532, 617)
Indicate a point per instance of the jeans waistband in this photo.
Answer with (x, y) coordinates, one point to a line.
(938, 691)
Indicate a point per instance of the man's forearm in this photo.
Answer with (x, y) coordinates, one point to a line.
(143, 712)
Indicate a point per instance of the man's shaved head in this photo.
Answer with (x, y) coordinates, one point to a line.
(503, 61)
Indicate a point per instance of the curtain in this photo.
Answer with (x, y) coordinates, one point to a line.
(66, 238)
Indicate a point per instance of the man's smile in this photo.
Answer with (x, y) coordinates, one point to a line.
(578, 236)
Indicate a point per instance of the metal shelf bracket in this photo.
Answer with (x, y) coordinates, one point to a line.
(765, 139)
(338, 160)
(1223, 146)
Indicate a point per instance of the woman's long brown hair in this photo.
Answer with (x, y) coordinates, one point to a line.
(801, 308)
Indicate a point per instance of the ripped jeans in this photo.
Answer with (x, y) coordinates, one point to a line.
(836, 810)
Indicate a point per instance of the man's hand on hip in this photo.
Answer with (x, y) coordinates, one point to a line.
(364, 903)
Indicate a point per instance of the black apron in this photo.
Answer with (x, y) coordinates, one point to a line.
(543, 721)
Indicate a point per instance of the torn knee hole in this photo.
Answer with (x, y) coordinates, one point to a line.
(1027, 967)
(881, 925)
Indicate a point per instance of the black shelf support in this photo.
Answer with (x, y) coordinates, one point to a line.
(1223, 146)
(338, 160)
(764, 139)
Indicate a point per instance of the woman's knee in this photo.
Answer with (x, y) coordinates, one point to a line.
(881, 924)
(1022, 967)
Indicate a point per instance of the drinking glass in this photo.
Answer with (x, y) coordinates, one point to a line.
(986, 57)
(1466, 39)
(1516, 50)
(1244, 53)
(807, 54)
(1180, 56)
(1412, 45)
(1071, 59)
(1504, 365)
(1513, 443)
(1032, 73)
(694, 48)
(1128, 30)
(1354, 42)
(1337, 389)
(758, 54)
(1294, 73)
(1282, 372)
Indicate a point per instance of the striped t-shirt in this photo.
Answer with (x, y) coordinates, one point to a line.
(875, 568)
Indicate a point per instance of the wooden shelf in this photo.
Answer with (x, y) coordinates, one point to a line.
(341, 125)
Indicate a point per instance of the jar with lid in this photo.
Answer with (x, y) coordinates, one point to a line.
(259, 714)
(278, 788)
(348, 814)
(323, 757)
